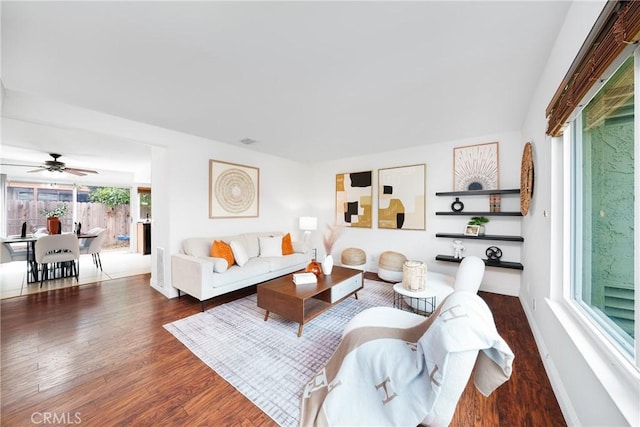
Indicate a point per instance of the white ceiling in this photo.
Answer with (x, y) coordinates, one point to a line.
(351, 77)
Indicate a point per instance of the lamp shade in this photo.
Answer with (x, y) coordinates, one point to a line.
(308, 223)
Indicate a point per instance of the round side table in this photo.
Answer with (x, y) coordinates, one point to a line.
(439, 286)
(422, 302)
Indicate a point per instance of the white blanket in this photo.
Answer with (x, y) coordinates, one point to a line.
(393, 376)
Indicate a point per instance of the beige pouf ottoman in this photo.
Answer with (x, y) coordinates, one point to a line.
(354, 258)
(390, 266)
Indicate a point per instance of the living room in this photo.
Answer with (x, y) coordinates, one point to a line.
(303, 184)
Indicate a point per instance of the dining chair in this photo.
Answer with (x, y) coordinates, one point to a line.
(5, 254)
(85, 242)
(60, 250)
(94, 245)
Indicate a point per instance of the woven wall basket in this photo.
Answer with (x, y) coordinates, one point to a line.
(414, 275)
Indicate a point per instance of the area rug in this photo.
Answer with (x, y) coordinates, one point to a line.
(266, 361)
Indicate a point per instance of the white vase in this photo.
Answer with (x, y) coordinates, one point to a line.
(327, 264)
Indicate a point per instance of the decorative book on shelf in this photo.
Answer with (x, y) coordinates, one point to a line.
(304, 278)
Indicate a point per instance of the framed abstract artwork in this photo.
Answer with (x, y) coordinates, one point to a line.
(475, 167)
(233, 190)
(354, 195)
(401, 197)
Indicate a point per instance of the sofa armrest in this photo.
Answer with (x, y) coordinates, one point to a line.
(191, 274)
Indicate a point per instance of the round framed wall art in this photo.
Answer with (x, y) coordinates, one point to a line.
(526, 179)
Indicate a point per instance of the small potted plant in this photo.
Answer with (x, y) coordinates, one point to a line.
(53, 217)
(480, 221)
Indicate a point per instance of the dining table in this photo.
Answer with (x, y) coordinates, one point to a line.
(30, 240)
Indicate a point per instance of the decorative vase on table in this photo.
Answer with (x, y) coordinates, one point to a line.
(327, 264)
(314, 267)
(53, 225)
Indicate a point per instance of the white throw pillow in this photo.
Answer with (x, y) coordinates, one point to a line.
(239, 252)
(251, 244)
(220, 265)
(271, 246)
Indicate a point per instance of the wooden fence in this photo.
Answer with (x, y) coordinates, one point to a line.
(90, 215)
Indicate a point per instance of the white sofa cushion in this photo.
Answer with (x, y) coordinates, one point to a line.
(282, 262)
(270, 246)
(300, 247)
(220, 265)
(251, 244)
(253, 267)
(198, 247)
(239, 252)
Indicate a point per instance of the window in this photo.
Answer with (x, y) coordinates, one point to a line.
(55, 195)
(19, 193)
(26, 201)
(603, 218)
(144, 194)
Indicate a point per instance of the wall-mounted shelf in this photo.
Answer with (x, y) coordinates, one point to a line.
(495, 237)
(501, 264)
(479, 213)
(478, 192)
(485, 237)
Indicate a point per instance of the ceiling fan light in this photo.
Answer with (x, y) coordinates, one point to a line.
(52, 173)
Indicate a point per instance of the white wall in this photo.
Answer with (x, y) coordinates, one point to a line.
(590, 386)
(180, 175)
(423, 245)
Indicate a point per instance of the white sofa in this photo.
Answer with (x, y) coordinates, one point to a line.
(195, 273)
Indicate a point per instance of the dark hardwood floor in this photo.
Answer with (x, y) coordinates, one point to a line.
(98, 355)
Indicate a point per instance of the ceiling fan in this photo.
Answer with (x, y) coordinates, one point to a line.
(56, 166)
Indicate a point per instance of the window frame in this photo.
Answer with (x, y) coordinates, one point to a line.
(618, 375)
(572, 143)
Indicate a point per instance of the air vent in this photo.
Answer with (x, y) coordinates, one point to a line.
(160, 267)
(248, 141)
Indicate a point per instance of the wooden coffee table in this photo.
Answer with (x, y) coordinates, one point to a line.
(301, 303)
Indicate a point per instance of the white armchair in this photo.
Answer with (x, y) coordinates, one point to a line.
(469, 275)
(460, 363)
(421, 365)
(468, 278)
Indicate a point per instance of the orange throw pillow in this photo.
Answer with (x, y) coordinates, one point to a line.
(287, 246)
(220, 249)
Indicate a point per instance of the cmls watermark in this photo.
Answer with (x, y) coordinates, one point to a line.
(56, 418)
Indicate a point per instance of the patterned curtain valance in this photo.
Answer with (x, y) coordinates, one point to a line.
(617, 27)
